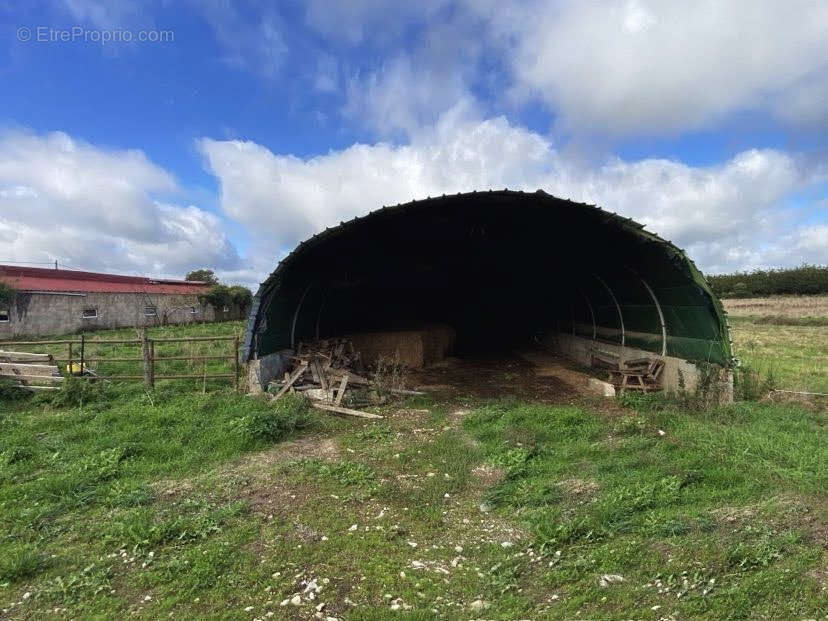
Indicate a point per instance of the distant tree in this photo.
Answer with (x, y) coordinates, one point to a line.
(203, 275)
(241, 296)
(6, 293)
(220, 296)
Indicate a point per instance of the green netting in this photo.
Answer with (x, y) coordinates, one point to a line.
(495, 265)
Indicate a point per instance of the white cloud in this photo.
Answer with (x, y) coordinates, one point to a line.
(625, 66)
(609, 67)
(106, 14)
(257, 45)
(355, 21)
(709, 210)
(403, 98)
(65, 199)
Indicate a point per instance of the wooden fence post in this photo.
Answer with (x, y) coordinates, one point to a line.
(70, 359)
(152, 361)
(146, 354)
(236, 363)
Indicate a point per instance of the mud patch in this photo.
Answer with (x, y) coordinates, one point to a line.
(489, 475)
(308, 447)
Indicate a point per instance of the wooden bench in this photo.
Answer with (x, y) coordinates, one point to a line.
(642, 374)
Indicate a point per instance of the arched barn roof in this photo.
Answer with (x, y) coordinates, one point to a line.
(500, 267)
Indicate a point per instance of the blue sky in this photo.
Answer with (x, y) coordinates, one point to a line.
(255, 124)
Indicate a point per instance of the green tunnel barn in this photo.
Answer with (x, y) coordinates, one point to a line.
(502, 268)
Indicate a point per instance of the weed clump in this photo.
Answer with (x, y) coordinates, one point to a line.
(273, 421)
(750, 384)
(76, 392)
(18, 562)
(11, 391)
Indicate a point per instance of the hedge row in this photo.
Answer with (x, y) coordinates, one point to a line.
(803, 280)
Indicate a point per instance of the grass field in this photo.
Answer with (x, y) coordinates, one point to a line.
(175, 503)
(785, 337)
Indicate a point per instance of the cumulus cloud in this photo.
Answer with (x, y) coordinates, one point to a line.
(711, 210)
(640, 65)
(65, 199)
(401, 97)
(613, 67)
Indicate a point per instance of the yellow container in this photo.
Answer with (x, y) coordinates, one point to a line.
(74, 369)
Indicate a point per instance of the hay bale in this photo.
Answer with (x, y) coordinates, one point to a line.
(413, 348)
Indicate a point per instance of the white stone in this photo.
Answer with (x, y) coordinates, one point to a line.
(479, 604)
(296, 600)
(608, 579)
(600, 387)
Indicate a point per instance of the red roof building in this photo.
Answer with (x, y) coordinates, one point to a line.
(32, 279)
(55, 301)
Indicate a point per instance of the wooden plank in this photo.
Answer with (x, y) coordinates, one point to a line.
(341, 410)
(47, 378)
(299, 370)
(19, 356)
(7, 368)
(319, 373)
(341, 391)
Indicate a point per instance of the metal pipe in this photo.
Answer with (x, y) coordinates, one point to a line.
(658, 308)
(296, 316)
(591, 313)
(617, 307)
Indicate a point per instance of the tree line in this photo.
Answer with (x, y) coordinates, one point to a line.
(802, 280)
(221, 295)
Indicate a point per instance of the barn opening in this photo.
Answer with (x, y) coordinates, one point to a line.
(501, 268)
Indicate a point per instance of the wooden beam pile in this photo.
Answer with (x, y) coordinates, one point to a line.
(323, 371)
(30, 371)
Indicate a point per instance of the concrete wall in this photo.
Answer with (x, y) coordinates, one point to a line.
(40, 314)
(678, 374)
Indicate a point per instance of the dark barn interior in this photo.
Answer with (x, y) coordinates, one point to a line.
(500, 267)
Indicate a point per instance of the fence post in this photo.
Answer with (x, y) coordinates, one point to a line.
(152, 361)
(236, 363)
(146, 354)
(70, 359)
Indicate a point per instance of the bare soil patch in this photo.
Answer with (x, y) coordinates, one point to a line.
(495, 375)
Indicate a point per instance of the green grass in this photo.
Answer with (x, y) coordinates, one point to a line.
(116, 501)
(795, 355)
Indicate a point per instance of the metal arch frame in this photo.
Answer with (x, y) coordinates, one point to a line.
(296, 316)
(658, 309)
(591, 314)
(617, 307)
